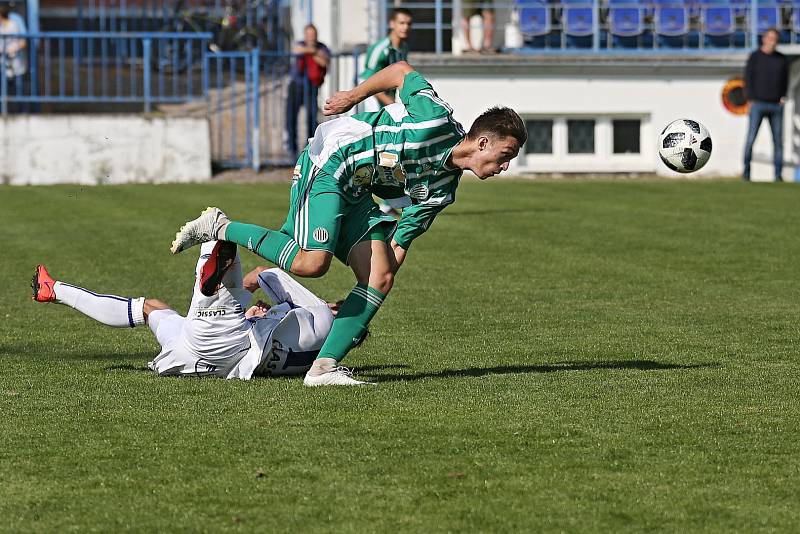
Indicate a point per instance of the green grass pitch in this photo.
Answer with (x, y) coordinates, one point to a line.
(555, 356)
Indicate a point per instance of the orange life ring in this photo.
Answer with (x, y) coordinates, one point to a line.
(733, 97)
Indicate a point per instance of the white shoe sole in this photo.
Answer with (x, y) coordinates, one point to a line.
(351, 382)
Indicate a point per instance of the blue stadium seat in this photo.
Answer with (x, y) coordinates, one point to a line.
(768, 17)
(535, 24)
(718, 25)
(671, 25)
(578, 24)
(626, 25)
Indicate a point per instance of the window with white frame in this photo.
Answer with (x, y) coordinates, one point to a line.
(627, 135)
(584, 143)
(540, 136)
(580, 136)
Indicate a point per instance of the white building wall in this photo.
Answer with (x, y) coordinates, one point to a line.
(103, 149)
(657, 100)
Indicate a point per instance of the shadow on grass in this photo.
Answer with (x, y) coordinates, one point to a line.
(635, 365)
(473, 213)
(144, 368)
(128, 367)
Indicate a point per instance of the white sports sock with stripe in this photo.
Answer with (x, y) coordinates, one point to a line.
(111, 310)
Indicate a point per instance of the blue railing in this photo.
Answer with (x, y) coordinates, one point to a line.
(250, 97)
(600, 25)
(244, 94)
(101, 67)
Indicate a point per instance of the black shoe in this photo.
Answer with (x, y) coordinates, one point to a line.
(221, 259)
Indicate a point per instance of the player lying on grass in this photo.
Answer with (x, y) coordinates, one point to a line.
(217, 337)
(412, 151)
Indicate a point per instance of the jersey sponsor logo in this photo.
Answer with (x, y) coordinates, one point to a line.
(210, 312)
(249, 243)
(391, 172)
(388, 159)
(320, 234)
(363, 175)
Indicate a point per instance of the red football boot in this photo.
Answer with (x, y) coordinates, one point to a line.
(43, 285)
(221, 259)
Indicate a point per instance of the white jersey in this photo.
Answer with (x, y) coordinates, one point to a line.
(215, 339)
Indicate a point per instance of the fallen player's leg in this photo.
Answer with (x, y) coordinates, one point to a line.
(111, 310)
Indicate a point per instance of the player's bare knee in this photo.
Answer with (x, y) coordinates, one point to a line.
(151, 305)
(250, 281)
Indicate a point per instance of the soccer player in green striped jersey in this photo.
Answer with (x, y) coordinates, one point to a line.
(413, 151)
(390, 49)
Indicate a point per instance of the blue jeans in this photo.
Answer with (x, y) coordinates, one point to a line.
(774, 113)
(302, 93)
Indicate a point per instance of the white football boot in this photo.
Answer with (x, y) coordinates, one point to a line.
(338, 376)
(200, 230)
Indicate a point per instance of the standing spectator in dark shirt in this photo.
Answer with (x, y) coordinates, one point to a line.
(766, 79)
(307, 75)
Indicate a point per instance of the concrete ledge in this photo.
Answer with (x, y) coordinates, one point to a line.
(103, 149)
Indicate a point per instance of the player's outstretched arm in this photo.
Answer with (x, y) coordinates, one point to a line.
(384, 80)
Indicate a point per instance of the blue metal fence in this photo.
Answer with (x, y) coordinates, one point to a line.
(244, 94)
(254, 96)
(101, 67)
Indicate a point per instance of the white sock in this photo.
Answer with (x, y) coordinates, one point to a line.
(111, 310)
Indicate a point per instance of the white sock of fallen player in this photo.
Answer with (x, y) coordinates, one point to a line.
(111, 310)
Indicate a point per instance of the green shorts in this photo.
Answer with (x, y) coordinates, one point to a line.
(322, 217)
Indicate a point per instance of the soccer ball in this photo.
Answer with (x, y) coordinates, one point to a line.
(685, 145)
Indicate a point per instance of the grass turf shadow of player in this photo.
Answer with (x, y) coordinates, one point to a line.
(636, 365)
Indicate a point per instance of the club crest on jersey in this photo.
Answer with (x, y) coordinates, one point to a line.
(419, 192)
(320, 235)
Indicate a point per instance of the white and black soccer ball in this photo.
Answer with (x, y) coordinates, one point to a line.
(685, 145)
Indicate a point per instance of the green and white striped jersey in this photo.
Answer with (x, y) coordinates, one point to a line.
(397, 152)
(381, 55)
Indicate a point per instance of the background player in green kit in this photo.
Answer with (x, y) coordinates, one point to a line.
(413, 149)
(389, 50)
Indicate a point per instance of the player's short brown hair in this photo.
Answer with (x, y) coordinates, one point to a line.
(400, 11)
(500, 121)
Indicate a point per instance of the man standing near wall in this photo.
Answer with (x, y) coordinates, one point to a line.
(390, 49)
(766, 80)
(307, 75)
